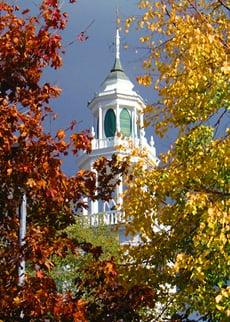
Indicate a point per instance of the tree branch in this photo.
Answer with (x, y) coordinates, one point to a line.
(203, 17)
(224, 5)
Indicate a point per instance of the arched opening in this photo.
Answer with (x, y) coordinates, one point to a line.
(110, 123)
(125, 122)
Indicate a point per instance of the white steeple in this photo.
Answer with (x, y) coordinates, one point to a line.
(118, 120)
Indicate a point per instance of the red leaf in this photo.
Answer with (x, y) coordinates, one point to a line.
(40, 274)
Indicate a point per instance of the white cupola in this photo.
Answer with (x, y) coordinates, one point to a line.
(117, 112)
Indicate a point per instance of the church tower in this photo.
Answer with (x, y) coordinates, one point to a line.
(117, 112)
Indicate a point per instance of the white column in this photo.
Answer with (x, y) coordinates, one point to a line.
(84, 210)
(100, 124)
(93, 121)
(142, 130)
(103, 206)
(93, 142)
(132, 120)
(141, 120)
(94, 207)
(135, 122)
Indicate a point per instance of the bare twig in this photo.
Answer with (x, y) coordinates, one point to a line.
(224, 5)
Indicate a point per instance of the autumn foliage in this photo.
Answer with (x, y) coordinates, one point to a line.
(31, 162)
(181, 207)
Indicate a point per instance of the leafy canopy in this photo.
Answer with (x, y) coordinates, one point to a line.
(181, 207)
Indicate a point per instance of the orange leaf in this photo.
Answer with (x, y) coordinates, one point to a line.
(39, 274)
(31, 183)
(9, 171)
(16, 301)
(61, 134)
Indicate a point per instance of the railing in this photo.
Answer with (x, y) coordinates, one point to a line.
(113, 141)
(128, 143)
(108, 218)
(103, 143)
(111, 219)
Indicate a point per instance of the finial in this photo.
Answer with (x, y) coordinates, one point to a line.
(151, 141)
(117, 63)
(117, 37)
(93, 132)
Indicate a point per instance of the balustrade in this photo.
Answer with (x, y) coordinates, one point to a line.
(108, 218)
(113, 141)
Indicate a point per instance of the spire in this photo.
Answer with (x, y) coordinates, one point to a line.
(117, 64)
(117, 74)
(117, 41)
(117, 44)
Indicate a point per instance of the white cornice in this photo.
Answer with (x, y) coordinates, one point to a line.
(113, 98)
